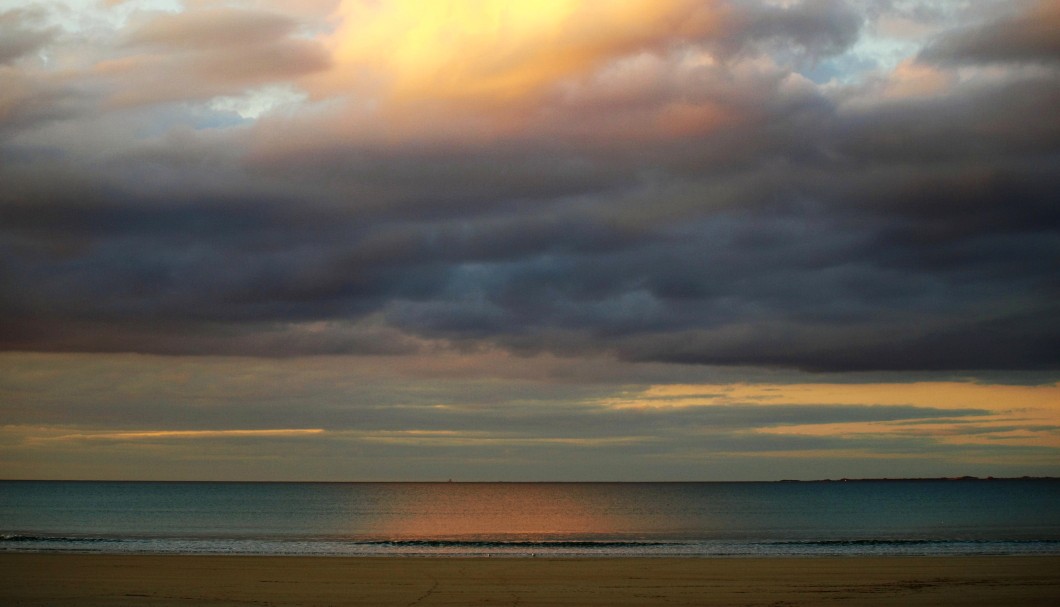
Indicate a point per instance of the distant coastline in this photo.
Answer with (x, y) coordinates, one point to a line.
(926, 479)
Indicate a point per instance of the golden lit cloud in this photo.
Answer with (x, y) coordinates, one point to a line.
(189, 434)
(450, 438)
(491, 50)
(942, 395)
(1027, 416)
(986, 430)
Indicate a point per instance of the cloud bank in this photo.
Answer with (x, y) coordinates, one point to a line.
(819, 185)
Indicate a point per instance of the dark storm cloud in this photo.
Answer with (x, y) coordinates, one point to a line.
(836, 229)
(1004, 343)
(153, 269)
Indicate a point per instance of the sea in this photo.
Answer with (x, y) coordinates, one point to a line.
(447, 519)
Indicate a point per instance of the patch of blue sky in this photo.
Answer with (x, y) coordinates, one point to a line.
(253, 104)
(872, 54)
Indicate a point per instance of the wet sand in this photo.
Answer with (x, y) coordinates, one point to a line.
(92, 579)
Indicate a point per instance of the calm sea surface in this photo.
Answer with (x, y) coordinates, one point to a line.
(545, 519)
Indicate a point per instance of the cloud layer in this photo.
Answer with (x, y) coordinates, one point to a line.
(731, 183)
(495, 417)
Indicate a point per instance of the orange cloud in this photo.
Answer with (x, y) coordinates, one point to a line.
(988, 430)
(447, 438)
(473, 72)
(1016, 415)
(188, 434)
(943, 395)
(490, 50)
(911, 79)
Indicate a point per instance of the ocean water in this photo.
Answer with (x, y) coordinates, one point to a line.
(540, 519)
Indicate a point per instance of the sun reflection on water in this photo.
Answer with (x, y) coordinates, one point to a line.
(502, 512)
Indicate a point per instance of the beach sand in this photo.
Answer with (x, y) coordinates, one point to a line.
(90, 579)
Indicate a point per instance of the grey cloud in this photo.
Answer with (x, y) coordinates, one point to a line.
(201, 54)
(820, 27)
(1026, 341)
(732, 287)
(17, 40)
(28, 96)
(972, 124)
(217, 27)
(443, 182)
(1027, 37)
(26, 102)
(197, 337)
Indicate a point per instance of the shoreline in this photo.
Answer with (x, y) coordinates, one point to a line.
(110, 579)
(867, 479)
(545, 555)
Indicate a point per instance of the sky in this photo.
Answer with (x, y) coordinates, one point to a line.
(622, 240)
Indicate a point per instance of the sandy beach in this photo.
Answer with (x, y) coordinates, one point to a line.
(75, 579)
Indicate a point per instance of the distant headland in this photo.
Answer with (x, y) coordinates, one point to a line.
(925, 479)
